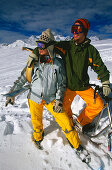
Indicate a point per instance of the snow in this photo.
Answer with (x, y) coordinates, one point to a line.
(17, 151)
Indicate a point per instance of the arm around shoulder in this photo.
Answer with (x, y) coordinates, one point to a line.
(33, 57)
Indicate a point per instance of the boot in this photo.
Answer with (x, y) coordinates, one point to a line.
(38, 143)
(89, 128)
(83, 154)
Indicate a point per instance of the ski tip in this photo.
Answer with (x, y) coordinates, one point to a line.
(4, 95)
(7, 95)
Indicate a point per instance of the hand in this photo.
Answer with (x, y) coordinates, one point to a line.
(58, 107)
(31, 58)
(9, 100)
(106, 88)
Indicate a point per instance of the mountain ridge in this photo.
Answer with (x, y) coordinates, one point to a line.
(32, 40)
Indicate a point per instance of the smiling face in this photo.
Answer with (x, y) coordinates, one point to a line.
(43, 51)
(79, 37)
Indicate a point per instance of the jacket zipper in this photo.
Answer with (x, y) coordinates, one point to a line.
(42, 80)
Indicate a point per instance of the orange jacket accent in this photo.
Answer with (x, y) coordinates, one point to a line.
(91, 61)
(62, 50)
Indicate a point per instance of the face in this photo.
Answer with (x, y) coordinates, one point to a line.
(43, 51)
(79, 37)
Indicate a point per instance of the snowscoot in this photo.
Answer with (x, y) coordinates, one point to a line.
(108, 128)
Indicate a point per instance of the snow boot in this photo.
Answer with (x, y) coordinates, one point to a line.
(38, 143)
(83, 154)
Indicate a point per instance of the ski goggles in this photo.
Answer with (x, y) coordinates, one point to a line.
(41, 45)
(77, 29)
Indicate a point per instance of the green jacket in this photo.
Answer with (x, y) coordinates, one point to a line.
(77, 59)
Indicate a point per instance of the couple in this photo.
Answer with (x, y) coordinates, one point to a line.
(56, 81)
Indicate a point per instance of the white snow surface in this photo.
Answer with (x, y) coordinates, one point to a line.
(17, 150)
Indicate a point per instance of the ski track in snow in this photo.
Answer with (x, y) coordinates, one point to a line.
(17, 151)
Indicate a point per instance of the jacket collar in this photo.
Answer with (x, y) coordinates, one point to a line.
(86, 41)
(82, 45)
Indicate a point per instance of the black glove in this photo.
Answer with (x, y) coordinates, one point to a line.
(9, 100)
(58, 106)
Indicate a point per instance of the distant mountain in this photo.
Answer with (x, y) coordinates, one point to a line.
(94, 38)
(31, 41)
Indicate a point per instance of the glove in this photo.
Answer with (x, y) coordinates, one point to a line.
(31, 57)
(9, 100)
(58, 107)
(106, 88)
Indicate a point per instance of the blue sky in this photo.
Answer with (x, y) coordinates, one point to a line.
(20, 19)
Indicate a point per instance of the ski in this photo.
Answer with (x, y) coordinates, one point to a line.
(95, 144)
(88, 158)
(17, 92)
(84, 155)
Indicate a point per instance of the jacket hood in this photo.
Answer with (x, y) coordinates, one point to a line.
(51, 51)
(47, 37)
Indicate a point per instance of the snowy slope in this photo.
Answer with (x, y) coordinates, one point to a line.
(17, 151)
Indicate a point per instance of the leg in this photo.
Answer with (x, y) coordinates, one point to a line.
(92, 109)
(36, 111)
(64, 122)
(68, 99)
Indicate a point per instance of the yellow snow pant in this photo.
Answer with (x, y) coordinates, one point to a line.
(62, 119)
(92, 108)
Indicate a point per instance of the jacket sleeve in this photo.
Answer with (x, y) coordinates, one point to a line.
(98, 65)
(61, 47)
(61, 82)
(20, 81)
(36, 51)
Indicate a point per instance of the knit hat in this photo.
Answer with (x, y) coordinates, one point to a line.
(48, 38)
(85, 23)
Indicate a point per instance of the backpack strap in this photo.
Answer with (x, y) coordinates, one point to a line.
(29, 71)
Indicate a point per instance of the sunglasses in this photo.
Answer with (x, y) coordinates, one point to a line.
(42, 46)
(77, 29)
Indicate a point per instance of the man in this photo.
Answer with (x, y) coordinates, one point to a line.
(78, 54)
(48, 82)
